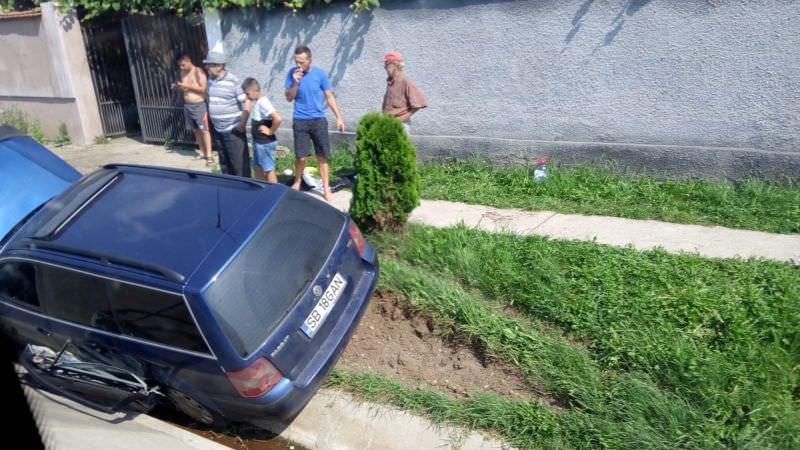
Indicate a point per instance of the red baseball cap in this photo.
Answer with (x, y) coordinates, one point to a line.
(393, 56)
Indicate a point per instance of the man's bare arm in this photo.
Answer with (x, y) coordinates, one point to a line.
(335, 108)
(291, 93)
(246, 107)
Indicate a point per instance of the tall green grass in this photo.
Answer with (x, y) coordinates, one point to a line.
(752, 204)
(703, 353)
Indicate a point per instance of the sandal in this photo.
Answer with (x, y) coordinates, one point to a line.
(210, 161)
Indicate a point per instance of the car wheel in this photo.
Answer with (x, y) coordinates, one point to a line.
(195, 410)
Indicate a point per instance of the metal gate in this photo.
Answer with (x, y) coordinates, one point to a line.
(111, 75)
(153, 44)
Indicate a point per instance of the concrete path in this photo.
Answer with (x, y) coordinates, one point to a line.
(128, 151)
(708, 241)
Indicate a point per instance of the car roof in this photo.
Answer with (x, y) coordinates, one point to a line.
(167, 219)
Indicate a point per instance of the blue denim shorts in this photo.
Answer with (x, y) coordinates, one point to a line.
(264, 155)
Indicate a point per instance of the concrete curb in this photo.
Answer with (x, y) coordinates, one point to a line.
(335, 420)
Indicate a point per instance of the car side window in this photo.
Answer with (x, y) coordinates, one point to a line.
(155, 316)
(18, 283)
(75, 297)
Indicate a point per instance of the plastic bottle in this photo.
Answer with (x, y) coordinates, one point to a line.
(540, 172)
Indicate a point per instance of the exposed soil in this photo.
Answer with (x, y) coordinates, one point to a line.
(402, 342)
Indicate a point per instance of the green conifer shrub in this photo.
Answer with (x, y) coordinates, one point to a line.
(388, 184)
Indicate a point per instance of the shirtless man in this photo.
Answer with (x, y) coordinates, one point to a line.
(193, 85)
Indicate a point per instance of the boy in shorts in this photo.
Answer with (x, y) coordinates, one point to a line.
(264, 122)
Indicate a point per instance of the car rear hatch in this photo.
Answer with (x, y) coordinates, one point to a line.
(292, 293)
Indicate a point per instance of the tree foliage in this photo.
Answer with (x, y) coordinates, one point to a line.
(95, 8)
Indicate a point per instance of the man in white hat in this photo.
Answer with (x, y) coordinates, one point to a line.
(227, 110)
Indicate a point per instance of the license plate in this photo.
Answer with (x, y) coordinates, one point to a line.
(324, 306)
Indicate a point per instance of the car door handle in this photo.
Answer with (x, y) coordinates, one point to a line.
(44, 332)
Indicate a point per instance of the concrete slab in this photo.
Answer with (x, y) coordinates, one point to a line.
(440, 213)
(64, 424)
(709, 241)
(335, 420)
(126, 150)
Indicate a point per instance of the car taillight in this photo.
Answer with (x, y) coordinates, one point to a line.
(255, 380)
(357, 239)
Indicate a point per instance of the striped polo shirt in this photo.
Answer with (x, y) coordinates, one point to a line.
(225, 98)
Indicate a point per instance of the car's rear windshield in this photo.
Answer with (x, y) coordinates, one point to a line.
(275, 267)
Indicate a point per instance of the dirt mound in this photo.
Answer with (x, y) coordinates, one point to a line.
(399, 341)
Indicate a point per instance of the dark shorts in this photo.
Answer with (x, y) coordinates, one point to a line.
(196, 116)
(307, 131)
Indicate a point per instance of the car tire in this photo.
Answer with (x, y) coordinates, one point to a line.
(196, 410)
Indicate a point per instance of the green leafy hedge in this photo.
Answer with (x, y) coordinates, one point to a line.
(18, 5)
(94, 8)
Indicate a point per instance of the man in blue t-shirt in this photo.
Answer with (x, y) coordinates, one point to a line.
(305, 86)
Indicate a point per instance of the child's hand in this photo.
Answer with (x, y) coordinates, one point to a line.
(263, 129)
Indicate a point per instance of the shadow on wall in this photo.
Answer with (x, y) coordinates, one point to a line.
(629, 9)
(437, 4)
(277, 33)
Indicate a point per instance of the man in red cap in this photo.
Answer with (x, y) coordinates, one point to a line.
(403, 98)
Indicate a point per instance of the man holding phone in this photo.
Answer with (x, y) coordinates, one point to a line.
(193, 87)
(308, 87)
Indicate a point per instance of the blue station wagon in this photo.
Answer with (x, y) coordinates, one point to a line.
(231, 297)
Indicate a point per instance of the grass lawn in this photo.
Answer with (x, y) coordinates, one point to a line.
(641, 349)
(752, 204)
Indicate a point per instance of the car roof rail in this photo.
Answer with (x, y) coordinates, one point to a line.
(167, 273)
(75, 205)
(191, 174)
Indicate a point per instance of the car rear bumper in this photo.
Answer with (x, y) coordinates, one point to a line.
(289, 397)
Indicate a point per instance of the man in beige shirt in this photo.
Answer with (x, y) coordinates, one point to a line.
(403, 98)
(195, 112)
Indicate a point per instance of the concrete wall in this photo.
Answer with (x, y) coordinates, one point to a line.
(45, 73)
(694, 88)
